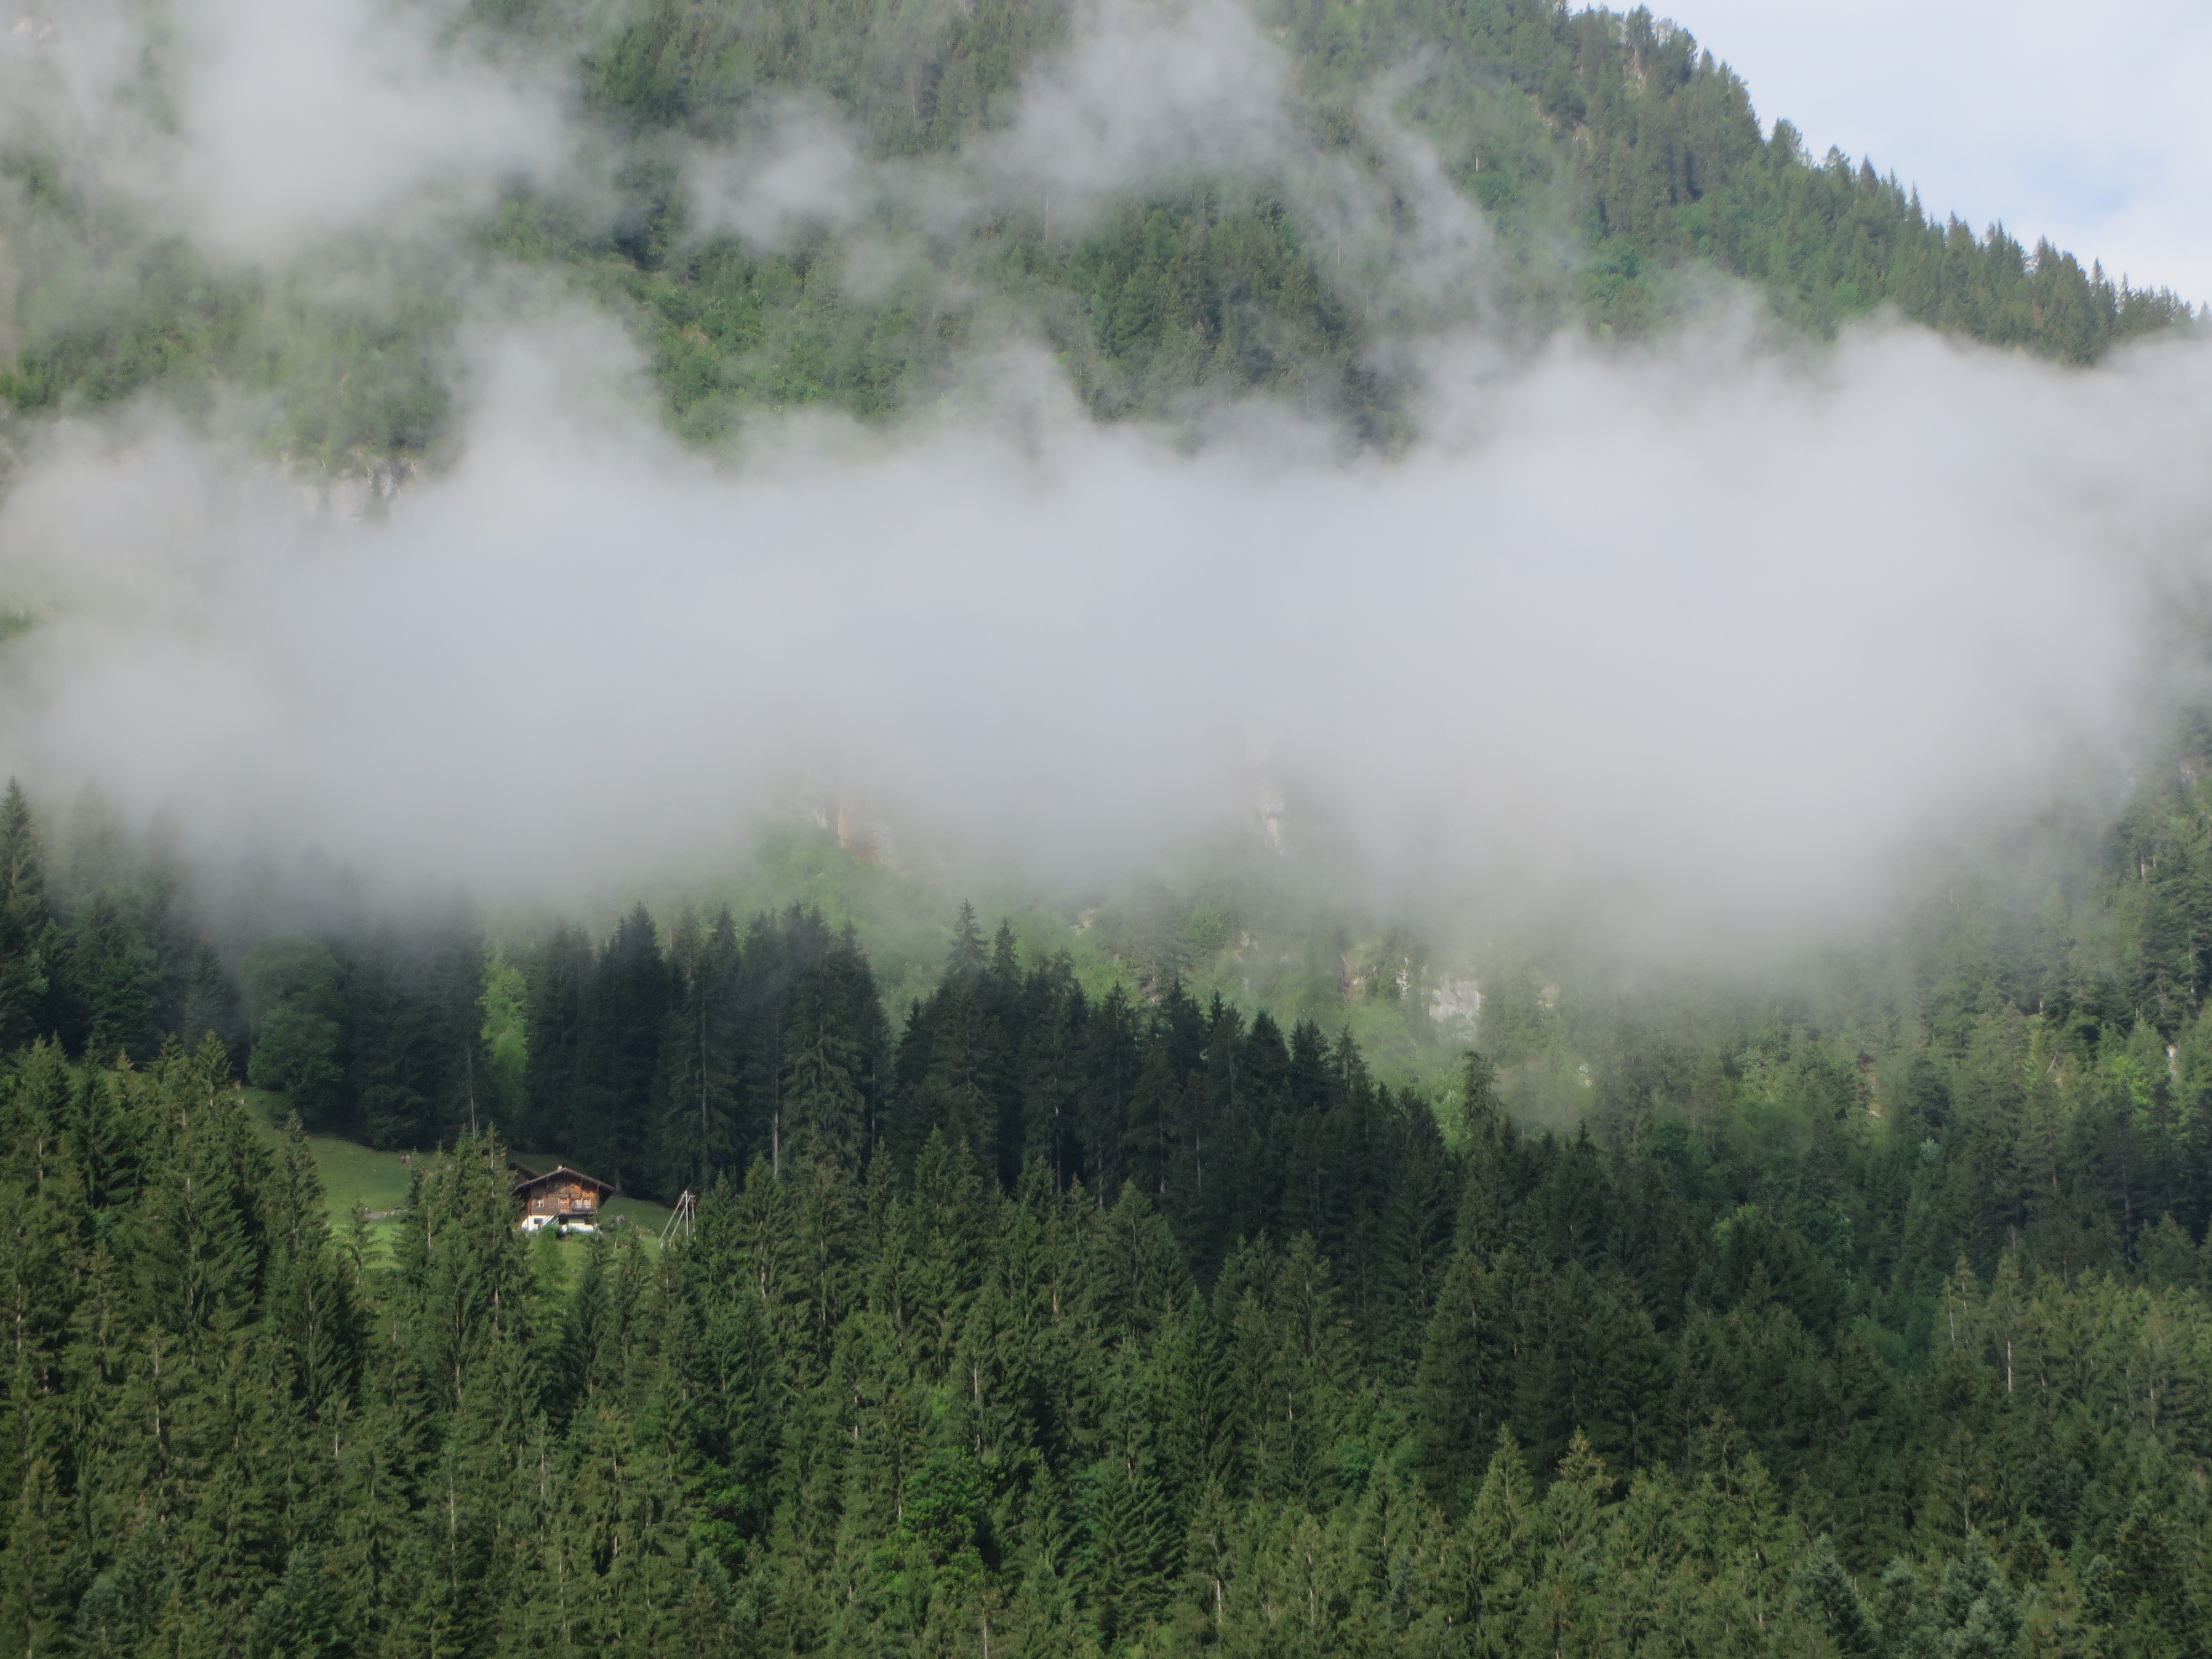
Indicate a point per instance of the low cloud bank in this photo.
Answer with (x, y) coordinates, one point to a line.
(1705, 636)
(1712, 634)
(261, 128)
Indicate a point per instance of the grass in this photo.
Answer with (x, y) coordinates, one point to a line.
(354, 1177)
(352, 1174)
(641, 1213)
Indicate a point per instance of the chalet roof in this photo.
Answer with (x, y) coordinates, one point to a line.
(525, 1181)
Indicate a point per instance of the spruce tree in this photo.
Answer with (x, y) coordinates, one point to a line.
(626, 1015)
(30, 939)
(1461, 1386)
(701, 1061)
(964, 958)
(557, 977)
(113, 976)
(824, 1111)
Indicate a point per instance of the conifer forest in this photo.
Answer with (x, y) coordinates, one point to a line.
(1211, 1255)
(1066, 1324)
(1619, 164)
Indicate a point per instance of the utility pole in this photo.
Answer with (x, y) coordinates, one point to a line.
(681, 1222)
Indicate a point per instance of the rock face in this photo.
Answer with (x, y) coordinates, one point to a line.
(861, 827)
(1456, 999)
(1272, 810)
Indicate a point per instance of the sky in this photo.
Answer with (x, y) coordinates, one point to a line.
(2091, 127)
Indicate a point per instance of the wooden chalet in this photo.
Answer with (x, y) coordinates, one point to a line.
(564, 1194)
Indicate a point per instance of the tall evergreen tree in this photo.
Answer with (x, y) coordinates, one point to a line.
(558, 978)
(30, 939)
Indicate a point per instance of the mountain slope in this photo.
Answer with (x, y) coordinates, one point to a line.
(1291, 249)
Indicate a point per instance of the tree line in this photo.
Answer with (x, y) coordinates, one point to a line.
(108, 959)
(1649, 146)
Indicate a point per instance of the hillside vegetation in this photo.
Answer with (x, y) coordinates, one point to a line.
(1618, 163)
(1200, 1268)
(1875, 1321)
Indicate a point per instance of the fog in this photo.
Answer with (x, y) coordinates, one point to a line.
(1710, 634)
(259, 127)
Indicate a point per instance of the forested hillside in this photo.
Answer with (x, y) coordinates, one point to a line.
(1877, 1322)
(1619, 164)
(1217, 1262)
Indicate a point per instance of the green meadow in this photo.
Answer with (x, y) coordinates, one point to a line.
(375, 1184)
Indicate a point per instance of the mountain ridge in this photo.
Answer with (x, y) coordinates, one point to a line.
(1617, 168)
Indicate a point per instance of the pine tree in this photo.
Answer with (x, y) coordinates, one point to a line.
(964, 961)
(299, 1617)
(1837, 1602)
(464, 1277)
(1112, 1060)
(700, 1059)
(311, 1299)
(557, 977)
(1130, 1544)
(211, 1004)
(36, 1597)
(1461, 1388)
(1418, 1212)
(1147, 1122)
(297, 989)
(958, 1090)
(199, 1240)
(824, 1111)
(113, 977)
(1197, 1446)
(30, 939)
(1500, 1542)
(626, 1017)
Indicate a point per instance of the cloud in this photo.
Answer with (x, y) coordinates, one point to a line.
(259, 127)
(1711, 634)
(1149, 97)
(1704, 635)
(798, 169)
(1151, 89)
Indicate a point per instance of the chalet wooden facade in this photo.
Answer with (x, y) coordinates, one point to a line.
(564, 1194)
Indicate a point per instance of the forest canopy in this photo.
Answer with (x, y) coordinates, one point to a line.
(1876, 1322)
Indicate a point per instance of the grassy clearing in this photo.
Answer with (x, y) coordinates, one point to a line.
(352, 1174)
(642, 1213)
(355, 1177)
